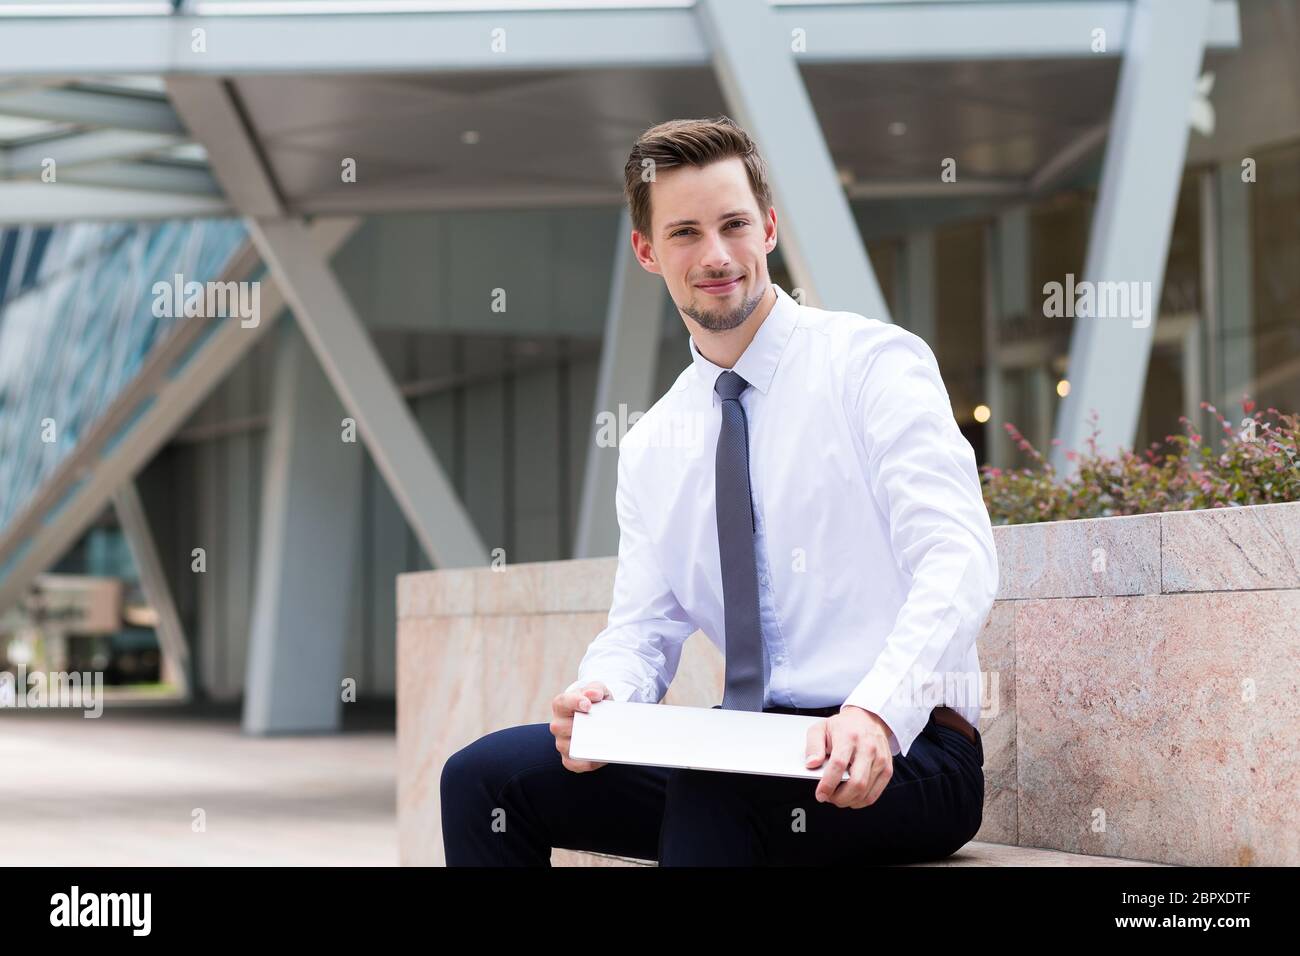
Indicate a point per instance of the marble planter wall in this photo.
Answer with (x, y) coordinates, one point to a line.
(1146, 673)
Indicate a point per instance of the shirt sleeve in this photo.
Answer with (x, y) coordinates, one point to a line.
(637, 654)
(923, 475)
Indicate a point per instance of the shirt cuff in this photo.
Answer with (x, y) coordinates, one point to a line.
(905, 723)
(620, 689)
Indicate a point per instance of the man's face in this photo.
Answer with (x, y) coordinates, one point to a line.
(709, 241)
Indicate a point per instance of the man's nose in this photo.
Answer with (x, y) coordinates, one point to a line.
(716, 253)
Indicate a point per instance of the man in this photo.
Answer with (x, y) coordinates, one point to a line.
(803, 496)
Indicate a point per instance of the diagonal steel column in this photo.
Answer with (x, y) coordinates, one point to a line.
(384, 420)
(1129, 240)
(819, 239)
(153, 580)
(633, 331)
(341, 343)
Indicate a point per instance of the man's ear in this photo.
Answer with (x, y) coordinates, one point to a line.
(645, 253)
(769, 229)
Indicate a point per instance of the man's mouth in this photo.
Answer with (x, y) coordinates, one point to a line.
(719, 286)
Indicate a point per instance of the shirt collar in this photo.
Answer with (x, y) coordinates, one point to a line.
(757, 364)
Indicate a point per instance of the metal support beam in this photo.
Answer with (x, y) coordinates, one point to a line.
(765, 92)
(153, 580)
(208, 109)
(1008, 245)
(1129, 240)
(384, 420)
(327, 319)
(81, 149)
(902, 189)
(1228, 293)
(179, 179)
(307, 554)
(29, 203)
(633, 332)
(918, 257)
(95, 108)
(560, 39)
(1057, 170)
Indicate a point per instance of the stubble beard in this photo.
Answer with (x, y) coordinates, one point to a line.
(724, 321)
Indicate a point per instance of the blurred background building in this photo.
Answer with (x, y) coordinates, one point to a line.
(428, 196)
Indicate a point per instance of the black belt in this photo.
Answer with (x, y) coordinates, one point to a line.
(950, 718)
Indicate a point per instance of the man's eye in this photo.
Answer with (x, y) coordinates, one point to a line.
(680, 232)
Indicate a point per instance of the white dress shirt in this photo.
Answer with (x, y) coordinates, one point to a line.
(875, 554)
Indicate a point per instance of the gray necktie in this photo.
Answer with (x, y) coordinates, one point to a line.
(736, 527)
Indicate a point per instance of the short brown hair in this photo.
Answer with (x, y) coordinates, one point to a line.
(689, 142)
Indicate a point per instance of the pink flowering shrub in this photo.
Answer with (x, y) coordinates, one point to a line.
(1258, 462)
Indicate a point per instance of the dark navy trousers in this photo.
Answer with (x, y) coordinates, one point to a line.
(507, 799)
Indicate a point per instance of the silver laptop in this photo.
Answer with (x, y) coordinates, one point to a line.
(695, 738)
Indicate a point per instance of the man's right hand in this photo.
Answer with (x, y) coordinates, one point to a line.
(563, 707)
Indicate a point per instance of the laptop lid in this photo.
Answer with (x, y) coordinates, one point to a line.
(696, 738)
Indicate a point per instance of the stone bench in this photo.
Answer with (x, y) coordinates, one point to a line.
(1145, 671)
(974, 853)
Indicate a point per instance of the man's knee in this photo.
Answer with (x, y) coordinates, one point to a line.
(465, 769)
(485, 765)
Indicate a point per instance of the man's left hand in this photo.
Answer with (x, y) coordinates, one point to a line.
(858, 741)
